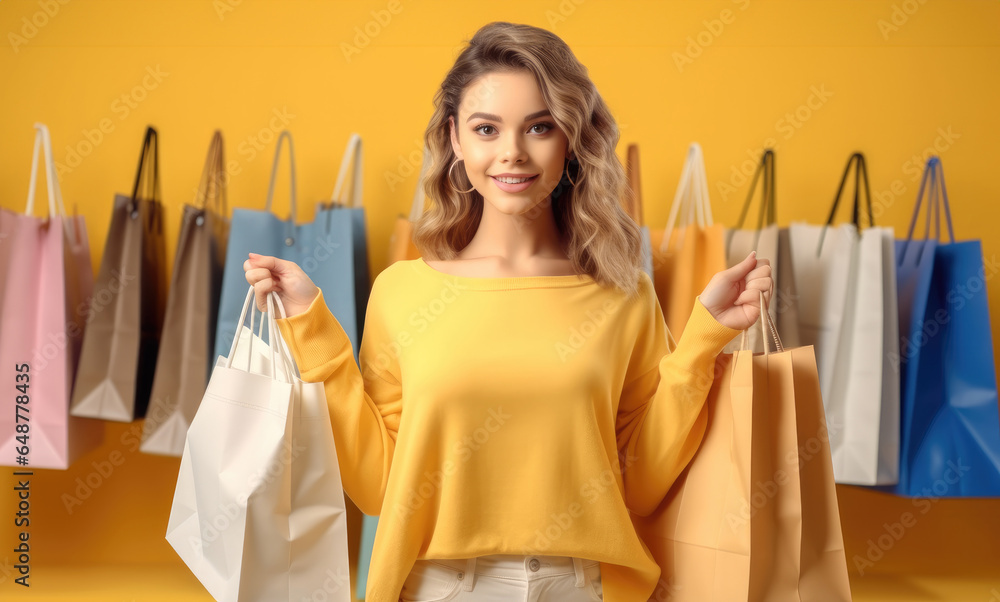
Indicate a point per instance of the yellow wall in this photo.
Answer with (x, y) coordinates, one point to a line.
(898, 78)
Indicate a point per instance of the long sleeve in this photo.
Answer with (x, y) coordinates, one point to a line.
(661, 415)
(365, 404)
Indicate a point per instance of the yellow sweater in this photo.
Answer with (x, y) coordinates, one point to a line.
(523, 415)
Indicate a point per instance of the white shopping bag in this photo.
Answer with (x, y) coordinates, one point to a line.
(258, 511)
(848, 312)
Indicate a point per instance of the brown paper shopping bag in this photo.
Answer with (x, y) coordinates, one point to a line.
(122, 338)
(754, 516)
(186, 357)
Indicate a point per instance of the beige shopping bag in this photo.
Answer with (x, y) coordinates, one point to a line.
(123, 335)
(754, 516)
(186, 357)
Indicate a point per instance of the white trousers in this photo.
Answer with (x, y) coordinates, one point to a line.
(504, 578)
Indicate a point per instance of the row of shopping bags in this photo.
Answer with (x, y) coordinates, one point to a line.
(875, 309)
(129, 346)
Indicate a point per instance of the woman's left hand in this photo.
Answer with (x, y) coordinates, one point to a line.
(733, 295)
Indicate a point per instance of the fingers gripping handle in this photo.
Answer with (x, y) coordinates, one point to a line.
(278, 349)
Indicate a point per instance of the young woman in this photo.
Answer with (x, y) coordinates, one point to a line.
(516, 398)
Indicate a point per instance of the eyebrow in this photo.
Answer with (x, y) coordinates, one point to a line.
(493, 117)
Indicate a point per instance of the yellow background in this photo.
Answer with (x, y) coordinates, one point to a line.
(891, 93)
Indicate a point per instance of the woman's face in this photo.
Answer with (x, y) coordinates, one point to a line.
(503, 127)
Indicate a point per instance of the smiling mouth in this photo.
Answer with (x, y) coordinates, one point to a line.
(508, 180)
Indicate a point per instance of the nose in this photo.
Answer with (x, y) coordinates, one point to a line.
(512, 151)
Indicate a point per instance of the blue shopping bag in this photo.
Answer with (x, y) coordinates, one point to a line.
(331, 250)
(950, 423)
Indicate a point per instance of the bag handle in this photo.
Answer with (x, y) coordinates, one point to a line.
(56, 206)
(212, 187)
(943, 204)
(354, 150)
(278, 349)
(767, 198)
(417, 206)
(633, 200)
(274, 307)
(860, 176)
(691, 196)
(44, 144)
(285, 134)
(765, 317)
(149, 154)
(932, 170)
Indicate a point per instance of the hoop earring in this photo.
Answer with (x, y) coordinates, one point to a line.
(566, 167)
(452, 184)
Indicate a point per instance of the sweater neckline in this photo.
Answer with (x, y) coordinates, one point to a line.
(496, 283)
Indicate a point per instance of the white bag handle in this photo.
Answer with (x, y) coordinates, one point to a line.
(691, 197)
(354, 150)
(277, 348)
(274, 301)
(56, 206)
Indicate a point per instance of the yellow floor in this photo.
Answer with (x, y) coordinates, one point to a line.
(174, 583)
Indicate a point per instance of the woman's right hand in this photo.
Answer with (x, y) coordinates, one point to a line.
(295, 289)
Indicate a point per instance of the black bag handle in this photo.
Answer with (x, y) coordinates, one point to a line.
(767, 197)
(149, 153)
(857, 160)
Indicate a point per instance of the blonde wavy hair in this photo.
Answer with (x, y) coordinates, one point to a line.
(596, 233)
